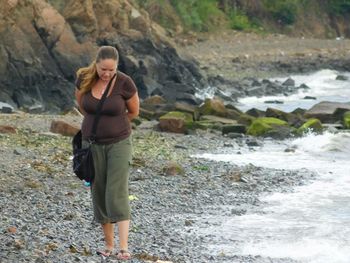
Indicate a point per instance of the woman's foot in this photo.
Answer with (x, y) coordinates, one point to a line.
(123, 255)
(104, 253)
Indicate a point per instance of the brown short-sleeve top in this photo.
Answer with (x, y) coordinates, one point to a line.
(114, 124)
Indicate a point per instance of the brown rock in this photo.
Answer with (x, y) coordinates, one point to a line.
(154, 100)
(64, 128)
(327, 111)
(7, 129)
(173, 168)
(213, 107)
(175, 125)
(12, 229)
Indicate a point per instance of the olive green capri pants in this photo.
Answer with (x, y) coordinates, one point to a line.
(110, 188)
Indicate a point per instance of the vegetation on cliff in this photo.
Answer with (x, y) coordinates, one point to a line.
(286, 16)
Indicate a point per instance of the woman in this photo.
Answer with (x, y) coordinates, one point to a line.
(112, 150)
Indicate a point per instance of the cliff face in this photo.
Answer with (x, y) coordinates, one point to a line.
(43, 43)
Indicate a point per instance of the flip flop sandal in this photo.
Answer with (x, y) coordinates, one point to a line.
(104, 254)
(123, 255)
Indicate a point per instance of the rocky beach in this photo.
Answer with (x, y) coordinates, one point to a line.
(46, 211)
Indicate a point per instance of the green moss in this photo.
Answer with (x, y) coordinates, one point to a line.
(213, 107)
(187, 117)
(311, 125)
(346, 120)
(246, 119)
(260, 126)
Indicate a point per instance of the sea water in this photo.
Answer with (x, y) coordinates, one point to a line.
(323, 87)
(311, 223)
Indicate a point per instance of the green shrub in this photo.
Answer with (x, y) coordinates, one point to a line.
(199, 15)
(339, 7)
(284, 11)
(239, 21)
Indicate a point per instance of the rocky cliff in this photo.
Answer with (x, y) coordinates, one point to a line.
(43, 43)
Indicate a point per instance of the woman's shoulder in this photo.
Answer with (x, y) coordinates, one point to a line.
(122, 76)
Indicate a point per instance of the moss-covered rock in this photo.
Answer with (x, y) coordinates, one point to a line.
(262, 126)
(313, 125)
(175, 121)
(293, 119)
(205, 125)
(346, 120)
(246, 119)
(213, 107)
(216, 119)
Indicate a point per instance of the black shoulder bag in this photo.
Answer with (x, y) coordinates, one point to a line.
(83, 163)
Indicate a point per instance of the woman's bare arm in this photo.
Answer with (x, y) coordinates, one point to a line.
(78, 96)
(133, 106)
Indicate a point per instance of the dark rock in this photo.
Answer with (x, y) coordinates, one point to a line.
(252, 142)
(235, 128)
(6, 109)
(273, 102)
(304, 87)
(341, 77)
(327, 111)
(289, 82)
(299, 111)
(309, 98)
(255, 112)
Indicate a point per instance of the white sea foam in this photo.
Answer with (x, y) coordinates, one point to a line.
(311, 224)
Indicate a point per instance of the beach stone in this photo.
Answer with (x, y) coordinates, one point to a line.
(7, 129)
(12, 229)
(63, 128)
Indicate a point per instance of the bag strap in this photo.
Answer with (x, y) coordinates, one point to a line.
(98, 111)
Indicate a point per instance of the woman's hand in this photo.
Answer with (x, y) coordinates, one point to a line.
(78, 96)
(133, 106)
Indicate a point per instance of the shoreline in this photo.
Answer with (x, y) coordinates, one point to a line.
(237, 55)
(52, 210)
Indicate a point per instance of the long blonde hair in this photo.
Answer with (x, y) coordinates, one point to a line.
(88, 75)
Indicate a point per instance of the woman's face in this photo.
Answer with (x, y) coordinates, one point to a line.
(106, 68)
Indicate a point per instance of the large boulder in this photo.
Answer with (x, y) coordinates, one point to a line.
(174, 121)
(292, 119)
(263, 126)
(213, 107)
(327, 111)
